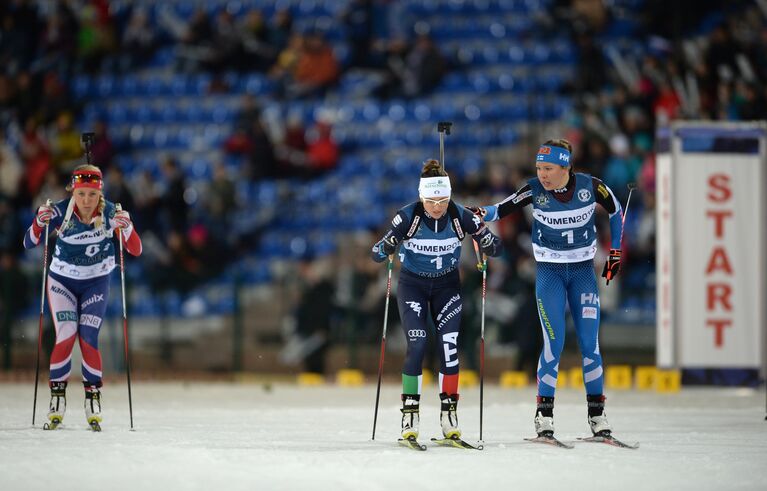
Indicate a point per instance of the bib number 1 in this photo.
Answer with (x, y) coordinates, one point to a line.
(438, 261)
(571, 235)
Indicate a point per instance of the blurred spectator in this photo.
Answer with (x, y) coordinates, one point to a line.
(37, 157)
(357, 18)
(316, 68)
(7, 100)
(11, 169)
(322, 151)
(258, 53)
(139, 41)
(173, 208)
(251, 141)
(220, 201)
(224, 45)
(13, 295)
(10, 228)
(291, 151)
(96, 35)
(281, 30)
(55, 99)
(103, 151)
(622, 167)
(195, 38)
(65, 144)
(52, 189)
(206, 253)
(667, 105)
(146, 193)
(250, 112)
(287, 59)
(412, 71)
(119, 192)
(59, 42)
(27, 95)
(313, 314)
(591, 73)
(173, 266)
(21, 31)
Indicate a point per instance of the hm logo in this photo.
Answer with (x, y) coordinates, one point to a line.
(591, 298)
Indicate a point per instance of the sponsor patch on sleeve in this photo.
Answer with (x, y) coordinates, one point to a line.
(602, 189)
(517, 197)
(589, 312)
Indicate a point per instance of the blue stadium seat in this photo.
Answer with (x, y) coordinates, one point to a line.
(82, 87)
(105, 85)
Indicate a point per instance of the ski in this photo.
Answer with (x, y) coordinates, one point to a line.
(456, 443)
(610, 440)
(95, 426)
(550, 440)
(52, 425)
(412, 443)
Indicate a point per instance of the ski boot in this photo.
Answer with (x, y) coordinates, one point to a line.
(410, 416)
(58, 405)
(449, 415)
(597, 417)
(544, 417)
(93, 407)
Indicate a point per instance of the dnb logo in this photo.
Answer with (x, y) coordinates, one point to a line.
(66, 315)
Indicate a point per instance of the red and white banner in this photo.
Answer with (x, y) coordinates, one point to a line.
(664, 256)
(711, 243)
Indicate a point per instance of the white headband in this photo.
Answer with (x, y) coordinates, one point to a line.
(434, 187)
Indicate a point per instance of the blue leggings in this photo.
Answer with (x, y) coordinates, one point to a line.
(576, 284)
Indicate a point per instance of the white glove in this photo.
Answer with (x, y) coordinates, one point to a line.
(44, 215)
(121, 220)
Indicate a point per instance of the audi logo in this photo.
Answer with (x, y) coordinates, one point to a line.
(416, 333)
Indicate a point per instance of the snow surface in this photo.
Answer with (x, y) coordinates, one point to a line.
(258, 436)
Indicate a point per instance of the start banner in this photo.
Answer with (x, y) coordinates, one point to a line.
(711, 245)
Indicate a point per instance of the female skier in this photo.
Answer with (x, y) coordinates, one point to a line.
(430, 233)
(564, 243)
(78, 281)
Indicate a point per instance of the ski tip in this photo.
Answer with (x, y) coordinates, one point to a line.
(412, 443)
(550, 440)
(610, 441)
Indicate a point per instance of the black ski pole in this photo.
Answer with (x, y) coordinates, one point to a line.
(125, 319)
(443, 128)
(482, 266)
(389, 267)
(42, 313)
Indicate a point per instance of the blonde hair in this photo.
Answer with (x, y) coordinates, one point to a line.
(432, 168)
(99, 221)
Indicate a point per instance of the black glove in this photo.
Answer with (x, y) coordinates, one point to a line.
(477, 210)
(488, 244)
(389, 245)
(612, 265)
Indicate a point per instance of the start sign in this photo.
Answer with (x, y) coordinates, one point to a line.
(711, 245)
